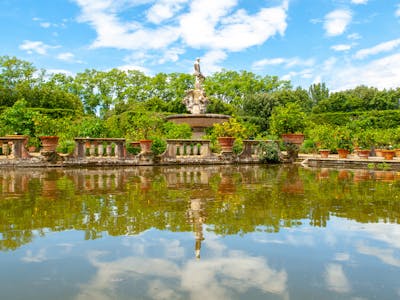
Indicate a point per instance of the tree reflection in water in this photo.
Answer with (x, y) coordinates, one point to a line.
(229, 200)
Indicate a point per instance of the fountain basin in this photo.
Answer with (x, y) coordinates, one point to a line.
(198, 122)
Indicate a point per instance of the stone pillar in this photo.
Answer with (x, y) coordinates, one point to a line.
(80, 149)
(108, 149)
(92, 149)
(100, 149)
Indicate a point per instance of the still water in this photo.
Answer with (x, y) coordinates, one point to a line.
(217, 232)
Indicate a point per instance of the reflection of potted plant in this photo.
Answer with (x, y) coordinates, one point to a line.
(227, 132)
(289, 122)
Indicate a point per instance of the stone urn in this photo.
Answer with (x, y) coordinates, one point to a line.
(293, 138)
(145, 145)
(49, 143)
(226, 143)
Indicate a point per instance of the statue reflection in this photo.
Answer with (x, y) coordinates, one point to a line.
(196, 217)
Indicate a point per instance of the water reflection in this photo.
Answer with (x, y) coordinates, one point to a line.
(261, 232)
(230, 200)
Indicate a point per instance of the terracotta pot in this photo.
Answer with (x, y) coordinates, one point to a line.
(388, 154)
(324, 153)
(364, 153)
(397, 152)
(343, 153)
(293, 138)
(379, 152)
(145, 145)
(226, 143)
(49, 143)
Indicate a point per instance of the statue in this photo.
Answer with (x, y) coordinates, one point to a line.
(196, 100)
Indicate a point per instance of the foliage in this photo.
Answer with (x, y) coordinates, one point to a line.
(268, 152)
(257, 109)
(176, 131)
(308, 146)
(288, 119)
(158, 146)
(231, 128)
(46, 126)
(132, 149)
(343, 138)
(360, 119)
(90, 126)
(18, 119)
(66, 146)
(322, 135)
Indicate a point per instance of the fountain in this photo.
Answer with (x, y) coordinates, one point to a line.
(196, 102)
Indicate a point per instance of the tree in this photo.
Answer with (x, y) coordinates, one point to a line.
(318, 92)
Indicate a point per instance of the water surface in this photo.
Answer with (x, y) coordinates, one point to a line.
(216, 232)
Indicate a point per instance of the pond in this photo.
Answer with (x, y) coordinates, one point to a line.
(199, 232)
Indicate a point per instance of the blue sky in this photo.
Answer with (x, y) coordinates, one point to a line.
(343, 43)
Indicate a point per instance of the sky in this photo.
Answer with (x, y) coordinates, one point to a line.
(343, 43)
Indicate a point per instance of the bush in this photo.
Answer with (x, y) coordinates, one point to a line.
(268, 152)
(159, 146)
(66, 146)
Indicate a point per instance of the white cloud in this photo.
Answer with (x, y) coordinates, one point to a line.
(215, 278)
(397, 12)
(337, 21)
(341, 47)
(381, 73)
(135, 67)
(306, 74)
(336, 279)
(164, 10)
(354, 36)
(58, 71)
(45, 24)
(29, 257)
(383, 47)
(387, 256)
(207, 24)
(287, 62)
(171, 54)
(35, 46)
(359, 1)
(215, 24)
(66, 56)
(211, 61)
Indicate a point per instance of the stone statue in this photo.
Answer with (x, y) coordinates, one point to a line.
(196, 100)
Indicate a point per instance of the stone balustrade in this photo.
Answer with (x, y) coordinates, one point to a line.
(187, 148)
(14, 146)
(100, 148)
(251, 149)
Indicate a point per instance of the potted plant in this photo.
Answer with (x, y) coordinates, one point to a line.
(289, 122)
(144, 127)
(46, 129)
(227, 132)
(322, 135)
(343, 141)
(364, 140)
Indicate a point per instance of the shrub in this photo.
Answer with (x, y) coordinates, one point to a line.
(268, 152)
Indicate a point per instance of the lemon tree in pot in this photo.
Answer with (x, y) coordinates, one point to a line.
(227, 132)
(46, 129)
(289, 122)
